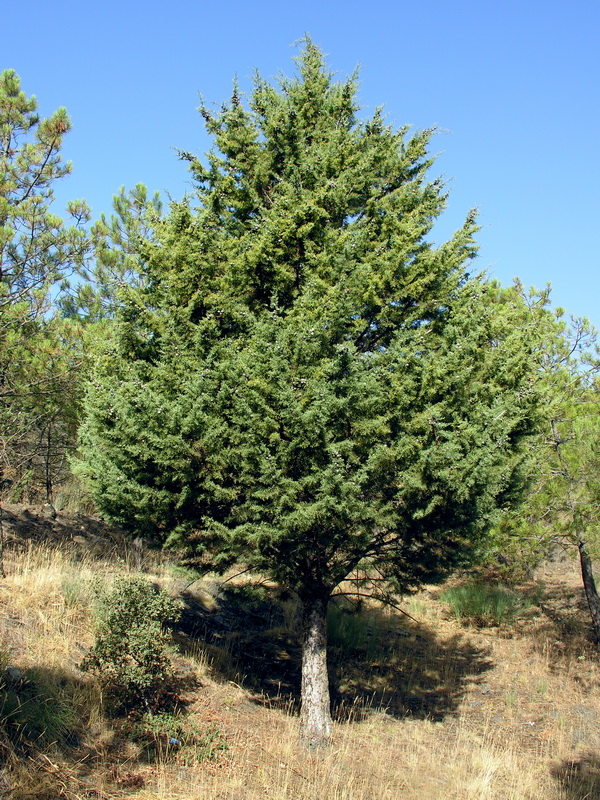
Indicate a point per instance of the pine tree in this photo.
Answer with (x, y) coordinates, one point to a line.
(573, 488)
(116, 266)
(304, 383)
(37, 251)
(561, 510)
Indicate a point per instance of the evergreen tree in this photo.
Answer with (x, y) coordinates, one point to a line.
(562, 506)
(37, 251)
(116, 266)
(303, 382)
(574, 489)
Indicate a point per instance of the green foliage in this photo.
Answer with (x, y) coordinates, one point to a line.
(574, 461)
(185, 573)
(168, 736)
(349, 629)
(131, 652)
(39, 409)
(485, 603)
(562, 508)
(302, 381)
(35, 245)
(38, 352)
(118, 242)
(37, 708)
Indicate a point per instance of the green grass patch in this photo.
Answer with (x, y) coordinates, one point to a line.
(38, 708)
(352, 630)
(485, 603)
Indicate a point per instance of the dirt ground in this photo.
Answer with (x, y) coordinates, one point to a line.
(530, 687)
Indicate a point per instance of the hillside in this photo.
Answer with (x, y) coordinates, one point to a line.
(426, 707)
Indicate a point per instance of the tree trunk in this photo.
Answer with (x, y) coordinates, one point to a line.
(589, 585)
(316, 712)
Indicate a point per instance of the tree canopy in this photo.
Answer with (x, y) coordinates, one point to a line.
(37, 251)
(302, 381)
(562, 504)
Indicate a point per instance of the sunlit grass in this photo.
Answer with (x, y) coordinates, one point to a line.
(430, 709)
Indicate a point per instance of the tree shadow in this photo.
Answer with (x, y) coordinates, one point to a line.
(40, 707)
(579, 778)
(45, 746)
(410, 673)
(251, 637)
(560, 603)
(80, 535)
(565, 620)
(49, 712)
(244, 635)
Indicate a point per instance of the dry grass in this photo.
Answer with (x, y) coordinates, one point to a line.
(427, 710)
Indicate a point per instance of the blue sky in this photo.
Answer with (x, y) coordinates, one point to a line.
(513, 87)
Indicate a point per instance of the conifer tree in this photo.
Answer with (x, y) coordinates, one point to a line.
(116, 266)
(37, 251)
(573, 488)
(304, 383)
(562, 507)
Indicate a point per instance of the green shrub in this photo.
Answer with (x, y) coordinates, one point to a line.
(165, 736)
(131, 655)
(484, 603)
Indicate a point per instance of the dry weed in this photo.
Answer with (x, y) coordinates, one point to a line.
(429, 710)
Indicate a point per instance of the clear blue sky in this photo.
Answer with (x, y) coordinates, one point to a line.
(514, 85)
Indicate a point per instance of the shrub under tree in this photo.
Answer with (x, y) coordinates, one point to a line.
(131, 653)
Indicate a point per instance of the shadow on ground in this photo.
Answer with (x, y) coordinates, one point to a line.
(250, 635)
(579, 779)
(39, 708)
(564, 622)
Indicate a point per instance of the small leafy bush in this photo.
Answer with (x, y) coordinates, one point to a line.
(131, 655)
(167, 736)
(484, 603)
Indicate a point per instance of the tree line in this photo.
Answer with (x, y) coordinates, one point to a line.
(282, 369)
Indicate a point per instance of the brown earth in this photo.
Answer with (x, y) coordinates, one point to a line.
(426, 707)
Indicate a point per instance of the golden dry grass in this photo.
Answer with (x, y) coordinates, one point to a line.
(444, 711)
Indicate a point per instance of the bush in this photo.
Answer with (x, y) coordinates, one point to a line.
(167, 736)
(131, 655)
(484, 603)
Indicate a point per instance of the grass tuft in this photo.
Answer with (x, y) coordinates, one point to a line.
(484, 604)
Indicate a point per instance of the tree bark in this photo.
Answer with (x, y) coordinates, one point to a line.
(589, 584)
(316, 712)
